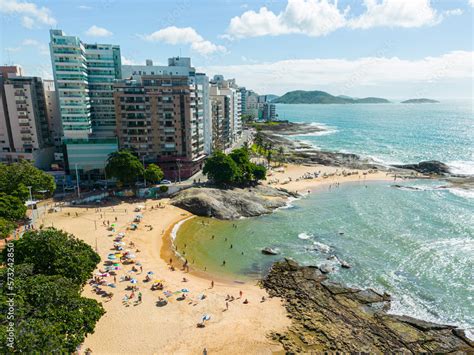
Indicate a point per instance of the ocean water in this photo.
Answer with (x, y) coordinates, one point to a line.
(393, 133)
(415, 242)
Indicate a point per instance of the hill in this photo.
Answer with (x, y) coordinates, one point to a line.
(420, 101)
(321, 97)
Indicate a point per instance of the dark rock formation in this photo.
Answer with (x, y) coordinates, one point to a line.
(427, 167)
(231, 203)
(328, 316)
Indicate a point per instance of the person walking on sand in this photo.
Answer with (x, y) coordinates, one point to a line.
(139, 297)
(241, 293)
(227, 306)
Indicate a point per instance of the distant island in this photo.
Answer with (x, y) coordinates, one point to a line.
(420, 101)
(321, 97)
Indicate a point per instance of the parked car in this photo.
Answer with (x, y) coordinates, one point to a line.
(165, 182)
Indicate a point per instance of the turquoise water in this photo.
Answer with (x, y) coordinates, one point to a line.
(393, 133)
(416, 243)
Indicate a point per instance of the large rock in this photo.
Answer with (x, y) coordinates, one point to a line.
(427, 167)
(329, 317)
(230, 203)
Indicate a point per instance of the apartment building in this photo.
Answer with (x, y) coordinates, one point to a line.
(24, 130)
(221, 119)
(161, 119)
(84, 76)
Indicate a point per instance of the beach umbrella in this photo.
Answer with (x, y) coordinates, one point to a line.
(133, 281)
(150, 272)
(111, 257)
(131, 256)
(121, 234)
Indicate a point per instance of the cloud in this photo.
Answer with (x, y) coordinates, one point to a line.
(310, 17)
(320, 17)
(184, 35)
(128, 61)
(31, 43)
(84, 7)
(453, 12)
(42, 48)
(32, 16)
(95, 31)
(344, 76)
(396, 13)
(471, 2)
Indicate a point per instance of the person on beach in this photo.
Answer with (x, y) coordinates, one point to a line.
(139, 297)
(241, 293)
(227, 306)
(231, 246)
(246, 301)
(212, 284)
(263, 299)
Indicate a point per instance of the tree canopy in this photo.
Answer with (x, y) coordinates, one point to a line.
(124, 166)
(6, 227)
(54, 252)
(50, 315)
(11, 207)
(235, 168)
(153, 174)
(14, 179)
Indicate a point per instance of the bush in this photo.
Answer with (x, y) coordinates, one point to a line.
(153, 173)
(6, 227)
(11, 207)
(164, 189)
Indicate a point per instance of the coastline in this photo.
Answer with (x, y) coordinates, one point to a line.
(243, 328)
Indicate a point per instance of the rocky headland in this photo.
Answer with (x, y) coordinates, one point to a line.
(298, 152)
(231, 203)
(327, 316)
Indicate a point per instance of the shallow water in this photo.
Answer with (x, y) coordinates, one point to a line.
(416, 243)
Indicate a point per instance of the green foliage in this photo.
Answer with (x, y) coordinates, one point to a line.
(235, 168)
(54, 252)
(164, 188)
(15, 178)
(153, 174)
(50, 314)
(6, 227)
(259, 172)
(124, 166)
(221, 168)
(11, 207)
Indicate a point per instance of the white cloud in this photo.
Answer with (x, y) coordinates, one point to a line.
(84, 7)
(396, 13)
(310, 17)
(42, 48)
(321, 17)
(471, 2)
(128, 61)
(31, 15)
(184, 35)
(342, 76)
(96, 31)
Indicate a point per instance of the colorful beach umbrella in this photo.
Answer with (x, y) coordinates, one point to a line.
(150, 272)
(133, 281)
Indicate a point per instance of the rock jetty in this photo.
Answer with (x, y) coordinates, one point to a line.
(330, 317)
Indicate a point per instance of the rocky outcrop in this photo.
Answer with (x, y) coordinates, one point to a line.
(328, 316)
(431, 167)
(231, 203)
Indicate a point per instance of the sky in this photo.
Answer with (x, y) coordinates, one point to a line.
(384, 48)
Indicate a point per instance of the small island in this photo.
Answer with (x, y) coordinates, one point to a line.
(420, 101)
(322, 97)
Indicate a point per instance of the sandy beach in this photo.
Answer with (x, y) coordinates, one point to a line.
(147, 329)
(291, 176)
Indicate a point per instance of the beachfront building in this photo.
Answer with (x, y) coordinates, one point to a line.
(178, 66)
(252, 104)
(230, 89)
(160, 118)
(24, 130)
(54, 122)
(268, 112)
(221, 119)
(84, 75)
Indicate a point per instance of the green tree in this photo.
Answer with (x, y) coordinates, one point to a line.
(15, 178)
(221, 169)
(6, 227)
(50, 314)
(153, 174)
(54, 252)
(259, 172)
(11, 207)
(124, 166)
